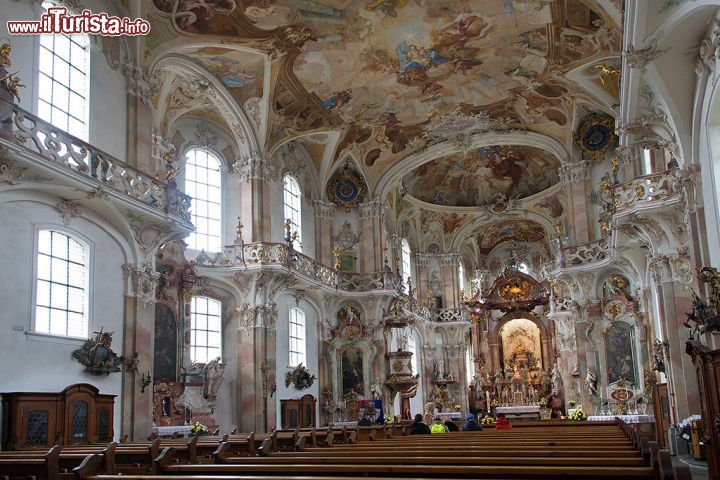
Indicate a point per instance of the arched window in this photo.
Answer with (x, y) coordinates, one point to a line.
(63, 86)
(461, 277)
(62, 285)
(296, 335)
(405, 270)
(203, 183)
(205, 323)
(293, 208)
(468, 366)
(412, 347)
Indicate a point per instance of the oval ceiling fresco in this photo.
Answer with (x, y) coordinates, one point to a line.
(479, 177)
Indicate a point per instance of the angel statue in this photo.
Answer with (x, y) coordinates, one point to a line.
(591, 382)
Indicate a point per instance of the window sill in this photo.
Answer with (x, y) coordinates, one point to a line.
(46, 337)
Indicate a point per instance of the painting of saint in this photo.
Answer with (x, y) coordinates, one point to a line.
(619, 351)
(352, 371)
(165, 350)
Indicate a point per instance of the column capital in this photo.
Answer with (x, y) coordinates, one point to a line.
(575, 171)
(323, 209)
(374, 208)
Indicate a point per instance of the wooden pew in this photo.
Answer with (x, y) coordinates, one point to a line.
(41, 466)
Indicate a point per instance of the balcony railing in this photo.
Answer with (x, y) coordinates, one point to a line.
(260, 254)
(82, 159)
(648, 188)
(586, 254)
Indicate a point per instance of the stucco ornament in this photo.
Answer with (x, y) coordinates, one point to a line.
(300, 377)
(97, 356)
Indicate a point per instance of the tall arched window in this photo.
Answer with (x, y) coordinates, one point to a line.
(62, 285)
(461, 277)
(205, 329)
(63, 85)
(296, 336)
(468, 366)
(293, 208)
(412, 347)
(405, 270)
(203, 183)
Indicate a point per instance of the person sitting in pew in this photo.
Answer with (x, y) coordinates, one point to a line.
(438, 427)
(418, 427)
(501, 423)
(451, 426)
(364, 422)
(472, 425)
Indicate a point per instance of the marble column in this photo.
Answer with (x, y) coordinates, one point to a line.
(673, 301)
(324, 231)
(371, 235)
(576, 180)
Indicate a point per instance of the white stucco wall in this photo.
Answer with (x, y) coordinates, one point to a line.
(33, 363)
(284, 303)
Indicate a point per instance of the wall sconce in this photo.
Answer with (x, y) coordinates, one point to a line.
(145, 381)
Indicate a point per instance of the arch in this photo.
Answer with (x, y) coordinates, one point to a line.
(223, 100)
(479, 222)
(409, 163)
(494, 340)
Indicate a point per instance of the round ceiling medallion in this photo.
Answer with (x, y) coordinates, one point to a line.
(596, 135)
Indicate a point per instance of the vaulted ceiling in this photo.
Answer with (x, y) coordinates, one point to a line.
(384, 79)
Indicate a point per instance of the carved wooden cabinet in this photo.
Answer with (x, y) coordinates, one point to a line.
(707, 366)
(298, 412)
(78, 414)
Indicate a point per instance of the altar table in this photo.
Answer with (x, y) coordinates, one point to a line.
(449, 415)
(342, 424)
(169, 430)
(624, 418)
(519, 411)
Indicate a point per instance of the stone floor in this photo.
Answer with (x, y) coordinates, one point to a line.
(697, 468)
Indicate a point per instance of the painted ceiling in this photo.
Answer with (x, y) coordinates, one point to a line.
(519, 230)
(386, 68)
(483, 175)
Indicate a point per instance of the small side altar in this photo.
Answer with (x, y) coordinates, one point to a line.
(449, 415)
(624, 418)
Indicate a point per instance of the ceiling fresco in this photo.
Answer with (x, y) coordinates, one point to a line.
(481, 176)
(240, 72)
(519, 230)
(381, 71)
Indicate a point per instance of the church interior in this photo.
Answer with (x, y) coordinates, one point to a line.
(278, 219)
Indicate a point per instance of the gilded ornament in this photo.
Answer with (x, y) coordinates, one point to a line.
(397, 365)
(346, 190)
(596, 135)
(515, 289)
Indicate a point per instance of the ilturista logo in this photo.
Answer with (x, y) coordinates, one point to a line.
(58, 20)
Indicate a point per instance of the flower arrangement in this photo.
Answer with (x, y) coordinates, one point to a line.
(198, 429)
(578, 415)
(388, 419)
(573, 403)
(495, 403)
(487, 421)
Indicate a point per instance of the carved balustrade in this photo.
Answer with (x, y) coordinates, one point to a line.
(260, 254)
(82, 159)
(586, 254)
(648, 188)
(450, 315)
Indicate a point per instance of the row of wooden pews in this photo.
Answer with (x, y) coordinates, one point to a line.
(532, 450)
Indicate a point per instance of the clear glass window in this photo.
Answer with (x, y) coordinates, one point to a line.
(296, 335)
(205, 329)
(61, 289)
(293, 208)
(203, 182)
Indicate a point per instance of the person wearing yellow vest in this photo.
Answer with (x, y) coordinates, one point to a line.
(437, 426)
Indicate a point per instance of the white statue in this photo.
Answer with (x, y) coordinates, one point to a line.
(505, 394)
(497, 383)
(350, 314)
(591, 382)
(376, 390)
(478, 385)
(557, 387)
(403, 339)
(213, 373)
(440, 369)
(429, 412)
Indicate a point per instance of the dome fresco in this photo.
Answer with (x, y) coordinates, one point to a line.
(480, 176)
